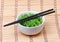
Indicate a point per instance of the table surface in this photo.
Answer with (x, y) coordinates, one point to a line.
(9, 9)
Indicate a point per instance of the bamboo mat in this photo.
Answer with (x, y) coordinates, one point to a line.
(9, 9)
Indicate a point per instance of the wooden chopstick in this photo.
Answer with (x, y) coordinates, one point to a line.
(32, 17)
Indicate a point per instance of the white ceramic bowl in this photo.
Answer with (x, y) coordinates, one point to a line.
(30, 30)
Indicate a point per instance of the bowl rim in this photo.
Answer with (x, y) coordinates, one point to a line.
(43, 19)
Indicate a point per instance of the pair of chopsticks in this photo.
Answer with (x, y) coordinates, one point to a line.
(32, 17)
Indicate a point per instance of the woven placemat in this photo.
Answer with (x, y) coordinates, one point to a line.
(9, 9)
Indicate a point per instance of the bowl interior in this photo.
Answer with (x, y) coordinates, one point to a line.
(34, 12)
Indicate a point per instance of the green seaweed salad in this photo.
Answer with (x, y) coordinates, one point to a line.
(30, 23)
